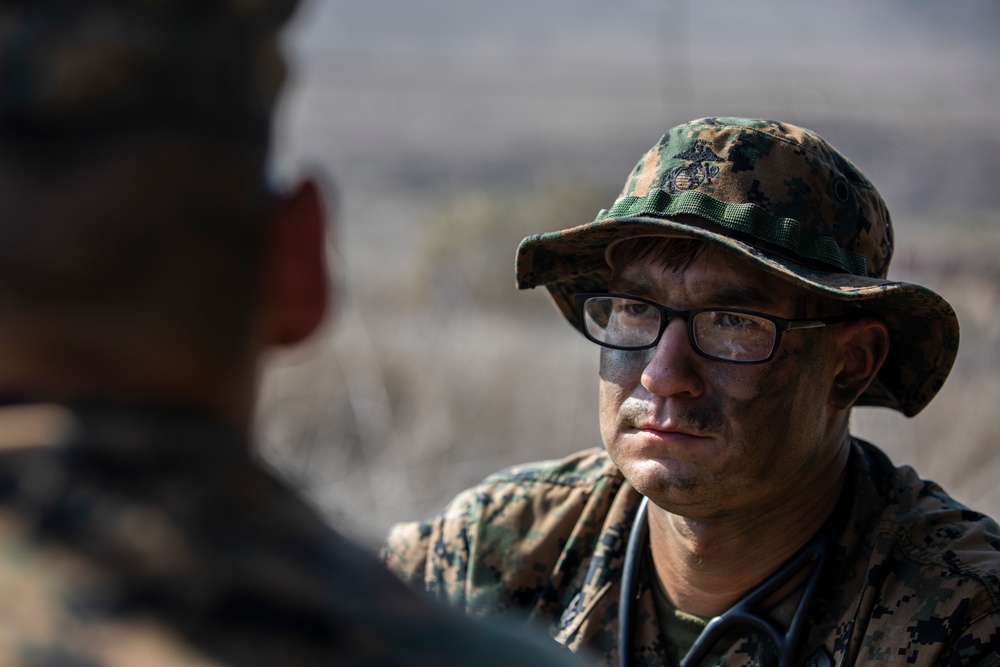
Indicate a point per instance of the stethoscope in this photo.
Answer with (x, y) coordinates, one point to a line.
(748, 611)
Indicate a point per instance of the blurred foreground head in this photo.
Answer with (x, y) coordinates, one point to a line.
(141, 249)
(145, 265)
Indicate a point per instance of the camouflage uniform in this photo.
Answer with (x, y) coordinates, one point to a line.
(151, 537)
(915, 580)
(916, 577)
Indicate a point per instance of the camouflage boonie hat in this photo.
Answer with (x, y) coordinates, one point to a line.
(86, 65)
(785, 200)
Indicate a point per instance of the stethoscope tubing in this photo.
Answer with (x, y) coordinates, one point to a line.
(748, 611)
(638, 537)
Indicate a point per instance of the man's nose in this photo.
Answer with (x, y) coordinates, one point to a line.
(672, 369)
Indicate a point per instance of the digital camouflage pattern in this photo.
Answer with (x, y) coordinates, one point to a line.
(784, 199)
(915, 579)
(151, 537)
(206, 65)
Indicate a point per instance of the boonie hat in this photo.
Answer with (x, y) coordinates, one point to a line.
(786, 201)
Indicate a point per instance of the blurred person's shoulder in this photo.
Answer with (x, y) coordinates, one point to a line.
(63, 537)
(50, 610)
(124, 533)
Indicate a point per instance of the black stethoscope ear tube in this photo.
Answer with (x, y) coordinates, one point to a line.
(749, 612)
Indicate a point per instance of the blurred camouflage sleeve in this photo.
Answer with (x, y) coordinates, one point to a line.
(150, 536)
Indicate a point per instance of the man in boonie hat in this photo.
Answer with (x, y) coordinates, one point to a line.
(738, 291)
(146, 266)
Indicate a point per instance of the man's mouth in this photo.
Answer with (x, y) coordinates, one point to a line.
(668, 430)
(663, 423)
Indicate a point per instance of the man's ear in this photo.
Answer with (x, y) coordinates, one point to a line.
(863, 345)
(297, 287)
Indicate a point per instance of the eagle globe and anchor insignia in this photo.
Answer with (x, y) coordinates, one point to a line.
(699, 169)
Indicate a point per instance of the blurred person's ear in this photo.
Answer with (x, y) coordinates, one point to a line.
(297, 287)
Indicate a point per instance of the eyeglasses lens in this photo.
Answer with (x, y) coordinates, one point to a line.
(733, 336)
(621, 322)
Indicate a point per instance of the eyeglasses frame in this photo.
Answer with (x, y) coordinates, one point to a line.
(781, 324)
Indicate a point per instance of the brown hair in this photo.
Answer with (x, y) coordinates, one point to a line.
(677, 254)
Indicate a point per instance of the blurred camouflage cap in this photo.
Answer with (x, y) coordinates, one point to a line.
(785, 200)
(83, 65)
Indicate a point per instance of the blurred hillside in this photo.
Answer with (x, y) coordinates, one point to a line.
(452, 129)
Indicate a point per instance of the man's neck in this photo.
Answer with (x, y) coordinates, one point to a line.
(151, 380)
(706, 566)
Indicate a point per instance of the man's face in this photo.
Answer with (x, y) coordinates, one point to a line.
(703, 438)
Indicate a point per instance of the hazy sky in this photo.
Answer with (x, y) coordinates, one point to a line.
(439, 92)
(848, 28)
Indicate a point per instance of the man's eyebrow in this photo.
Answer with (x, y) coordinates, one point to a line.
(743, 296)
(631, 286)
(749, 297)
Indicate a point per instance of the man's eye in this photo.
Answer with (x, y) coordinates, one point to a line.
(636, 313)
(636, 309)
(735, 321)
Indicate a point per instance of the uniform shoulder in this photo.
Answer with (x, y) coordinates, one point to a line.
(511, 516)
(933, 530)
(923, 510)
(539, 487)
(581, 469)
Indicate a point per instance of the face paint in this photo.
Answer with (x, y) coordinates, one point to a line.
(704, 437)
(619, 364)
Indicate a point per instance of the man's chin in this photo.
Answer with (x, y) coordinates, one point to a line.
(664, 481)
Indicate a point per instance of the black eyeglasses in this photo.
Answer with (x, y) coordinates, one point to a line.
(730, 335)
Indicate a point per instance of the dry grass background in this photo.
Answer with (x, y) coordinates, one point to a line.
(411, 399)
(454, 130)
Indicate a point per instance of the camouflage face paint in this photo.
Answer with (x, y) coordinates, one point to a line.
(705, 437)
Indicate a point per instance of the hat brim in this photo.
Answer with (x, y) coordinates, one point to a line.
(923, 327)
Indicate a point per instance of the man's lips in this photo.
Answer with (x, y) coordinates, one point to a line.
(663, 422)
(668, 431)
(666, 427)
